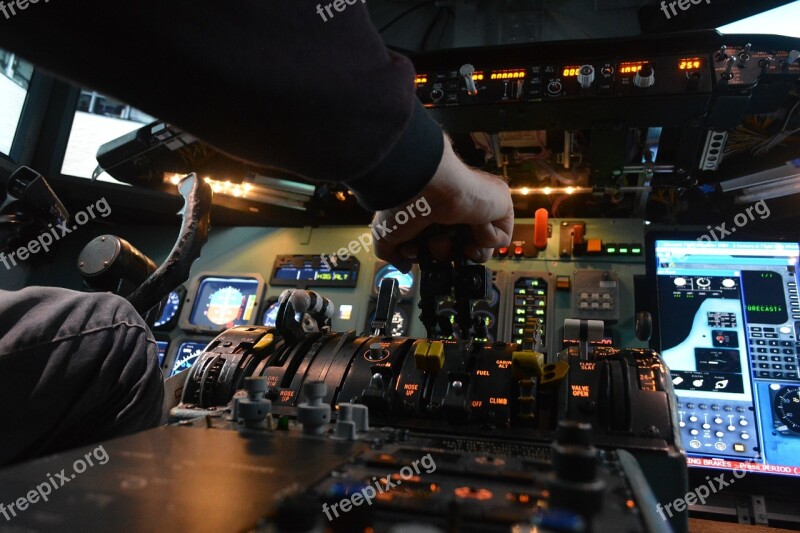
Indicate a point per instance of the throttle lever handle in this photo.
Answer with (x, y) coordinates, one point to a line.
(384, 311)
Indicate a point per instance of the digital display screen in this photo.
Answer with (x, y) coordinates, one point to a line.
(304, 271)
(729, 330)
(170, 310)
(570, 72)
(163, 346)
(223, 303)
(507, 74)
(766, 303)
(313, 274)
(187, 355)
(692, 63)
(630, 67)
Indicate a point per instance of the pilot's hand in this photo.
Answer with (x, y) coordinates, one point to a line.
(457, 194)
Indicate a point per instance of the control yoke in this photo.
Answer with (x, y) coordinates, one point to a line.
(193, 235)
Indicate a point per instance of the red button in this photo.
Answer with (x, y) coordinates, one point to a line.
(502, 252)
(518, 251)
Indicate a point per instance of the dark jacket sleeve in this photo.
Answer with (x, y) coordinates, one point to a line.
(268, 81)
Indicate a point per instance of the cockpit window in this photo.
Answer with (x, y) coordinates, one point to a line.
(98, 119)
(784, 20)
(15, 77)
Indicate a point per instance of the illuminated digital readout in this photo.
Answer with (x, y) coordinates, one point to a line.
(507, 74)
(333, 276)
(570, 72)
(630, 68)
(313, 274)
(692, 63)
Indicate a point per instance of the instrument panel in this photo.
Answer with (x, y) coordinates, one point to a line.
(659, 81)
(232, 286)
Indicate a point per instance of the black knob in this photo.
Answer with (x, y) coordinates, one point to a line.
(574, 433)
(644, 326)
(574, 484)
(574, 457)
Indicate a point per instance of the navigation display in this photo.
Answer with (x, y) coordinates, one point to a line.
(729, 330)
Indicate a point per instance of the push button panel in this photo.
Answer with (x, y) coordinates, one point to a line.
(774, 352)
(718, 429)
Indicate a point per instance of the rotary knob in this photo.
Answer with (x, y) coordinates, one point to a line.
(586, 76)
(645, 77)
(376, 352)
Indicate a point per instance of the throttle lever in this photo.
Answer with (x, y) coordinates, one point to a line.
(175, 270)
(301, 312)
(384, 312)
(458, 278)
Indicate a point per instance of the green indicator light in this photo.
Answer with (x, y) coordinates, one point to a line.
(522, 291)
(521, 331)
(636, 250)
(623, 250)
(520, 311)
(540, 311)
(611, 250)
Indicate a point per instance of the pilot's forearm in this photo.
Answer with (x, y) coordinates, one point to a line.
(266, 81)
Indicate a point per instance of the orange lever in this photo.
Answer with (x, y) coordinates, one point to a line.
(540, 228)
